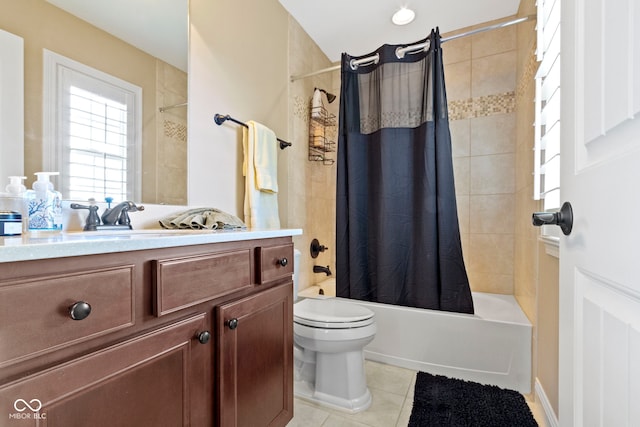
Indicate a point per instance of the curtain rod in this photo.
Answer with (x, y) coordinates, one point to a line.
(170, 107)
(400, 52)
(220, 119)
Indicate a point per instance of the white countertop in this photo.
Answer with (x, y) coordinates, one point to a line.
(32, 246)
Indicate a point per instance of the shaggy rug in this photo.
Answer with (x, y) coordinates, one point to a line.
(441, 401)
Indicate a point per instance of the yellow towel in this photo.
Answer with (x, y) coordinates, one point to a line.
(265, 157)
(260, 207)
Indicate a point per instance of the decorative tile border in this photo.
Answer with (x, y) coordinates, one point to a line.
(177, 131)
(301, 108)
(482, 106)
(529, 72)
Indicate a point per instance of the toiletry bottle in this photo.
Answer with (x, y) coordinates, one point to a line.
(44, 208)
(13, 199)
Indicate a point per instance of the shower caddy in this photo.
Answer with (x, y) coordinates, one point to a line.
(322, 134)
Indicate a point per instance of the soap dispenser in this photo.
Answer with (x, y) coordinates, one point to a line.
(13, 199)
(12, 207)
(44, 205)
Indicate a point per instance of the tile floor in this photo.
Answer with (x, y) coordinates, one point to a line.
(392, 391)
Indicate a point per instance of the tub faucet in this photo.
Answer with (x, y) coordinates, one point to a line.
(118, 215)
(321, 269)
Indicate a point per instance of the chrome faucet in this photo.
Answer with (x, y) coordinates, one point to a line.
(119, 214)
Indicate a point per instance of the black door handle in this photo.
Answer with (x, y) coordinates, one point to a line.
(562, 218)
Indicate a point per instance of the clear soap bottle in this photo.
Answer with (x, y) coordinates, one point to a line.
(44, 205)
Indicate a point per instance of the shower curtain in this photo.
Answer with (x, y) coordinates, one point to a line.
(397, 233)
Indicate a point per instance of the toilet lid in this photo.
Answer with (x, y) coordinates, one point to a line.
(331, 313)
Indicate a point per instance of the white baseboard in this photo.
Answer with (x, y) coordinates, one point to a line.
(550, 416)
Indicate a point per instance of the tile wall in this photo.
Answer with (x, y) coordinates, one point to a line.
(312, 185)
(480, 73)
(171, 134)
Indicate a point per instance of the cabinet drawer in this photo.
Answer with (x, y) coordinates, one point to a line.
(276, 262)
(35, 313)
(183, 282)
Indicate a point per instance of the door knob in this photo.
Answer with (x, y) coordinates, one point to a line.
(562, 218)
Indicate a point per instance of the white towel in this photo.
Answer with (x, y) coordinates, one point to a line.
(316, 103)
(265, 157)
(260, 207)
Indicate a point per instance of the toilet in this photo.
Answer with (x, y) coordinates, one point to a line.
(329, 336)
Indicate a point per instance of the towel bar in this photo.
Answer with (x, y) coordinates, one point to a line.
(220, 119)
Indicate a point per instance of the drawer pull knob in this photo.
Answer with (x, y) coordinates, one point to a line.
(204, 337)
(283, 262)
(233, 323)
(80, 310)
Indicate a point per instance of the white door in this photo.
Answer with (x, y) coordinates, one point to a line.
(600, 260)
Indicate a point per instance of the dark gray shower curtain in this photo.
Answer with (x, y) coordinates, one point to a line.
(397, 234)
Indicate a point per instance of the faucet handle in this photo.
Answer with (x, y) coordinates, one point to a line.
(124, 219)
(93, 220)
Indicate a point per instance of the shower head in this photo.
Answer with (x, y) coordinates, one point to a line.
(330, 97)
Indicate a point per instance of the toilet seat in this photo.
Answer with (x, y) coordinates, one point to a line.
(331, 314)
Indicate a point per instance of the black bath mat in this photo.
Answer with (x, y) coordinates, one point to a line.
(441, 401)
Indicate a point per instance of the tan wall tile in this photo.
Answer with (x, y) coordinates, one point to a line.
(492, 174)
(492, 42)
(456, 50)
(491, 253)
(458, 80)
(492, 214)
(460, 137)
(493, 134)
(493, 74)
(461, 167)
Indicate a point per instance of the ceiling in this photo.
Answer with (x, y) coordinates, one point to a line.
(359, 27)
(158, 27)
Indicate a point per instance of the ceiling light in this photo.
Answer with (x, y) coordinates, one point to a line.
(403, 16)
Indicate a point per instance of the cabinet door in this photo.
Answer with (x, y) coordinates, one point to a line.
(158, 379)
(255, 368)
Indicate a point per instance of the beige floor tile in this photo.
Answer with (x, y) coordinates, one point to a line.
(388, 378)
(336, 421)
(383, 412)
(307, 415)
(405, 412)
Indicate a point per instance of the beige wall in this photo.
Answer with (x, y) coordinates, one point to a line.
(536, 272)
(546, 356)
(238, 65)
(43, 26)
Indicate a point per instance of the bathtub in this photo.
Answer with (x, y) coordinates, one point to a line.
(493, 346)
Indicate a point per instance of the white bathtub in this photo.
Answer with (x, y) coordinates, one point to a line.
(493, 346)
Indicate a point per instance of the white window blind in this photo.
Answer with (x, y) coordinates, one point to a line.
(94, 132)
(547, 123)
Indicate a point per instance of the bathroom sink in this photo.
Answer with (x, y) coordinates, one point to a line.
(130, 234)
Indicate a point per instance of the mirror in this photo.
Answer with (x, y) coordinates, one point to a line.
(143, 43)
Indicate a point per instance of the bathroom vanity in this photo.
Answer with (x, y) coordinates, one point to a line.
(158, 329)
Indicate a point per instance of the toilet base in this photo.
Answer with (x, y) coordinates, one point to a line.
(303, 390)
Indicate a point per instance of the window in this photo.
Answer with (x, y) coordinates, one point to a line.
(547, 123)
(92, 131)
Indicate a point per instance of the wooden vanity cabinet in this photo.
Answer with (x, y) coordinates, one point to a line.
(186, 336)
(254, 365)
